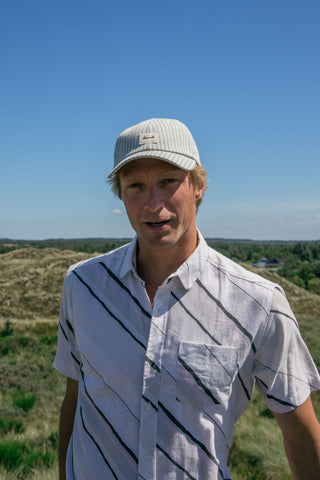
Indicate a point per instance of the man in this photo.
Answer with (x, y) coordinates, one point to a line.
(162, 340)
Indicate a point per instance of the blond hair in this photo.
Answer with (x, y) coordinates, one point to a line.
(198, 178)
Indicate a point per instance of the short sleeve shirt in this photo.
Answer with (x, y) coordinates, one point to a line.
(161, 388)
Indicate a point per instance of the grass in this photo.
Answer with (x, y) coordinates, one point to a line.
(24, 400)
(257, 451)
(31, 391)
(26, 455)
(31, 282)
(31, 394)
(13, 425)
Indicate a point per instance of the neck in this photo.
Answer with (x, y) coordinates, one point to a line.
(154, 265)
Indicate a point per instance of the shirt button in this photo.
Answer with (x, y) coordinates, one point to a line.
(148, 406)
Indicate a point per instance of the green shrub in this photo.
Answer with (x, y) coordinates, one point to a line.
(4, 345)
(14, 343)
(314, 285)
(11, 425)
(21, 341)
(48, 339)
(12, 453)
(7, 331)
(24, 400)
(24, 457)
(266, 413)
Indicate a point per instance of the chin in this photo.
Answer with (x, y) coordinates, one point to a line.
(160, 242)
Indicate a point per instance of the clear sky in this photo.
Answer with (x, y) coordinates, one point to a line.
(243, 75)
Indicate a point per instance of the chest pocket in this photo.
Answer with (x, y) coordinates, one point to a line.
(205, 374)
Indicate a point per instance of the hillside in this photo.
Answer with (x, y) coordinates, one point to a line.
(31, 283)
(302, 302)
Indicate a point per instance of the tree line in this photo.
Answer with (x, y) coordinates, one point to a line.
(301, 259)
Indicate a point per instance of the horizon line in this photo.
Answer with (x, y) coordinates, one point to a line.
(128, 238)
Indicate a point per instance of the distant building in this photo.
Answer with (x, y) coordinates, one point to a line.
(265, 263)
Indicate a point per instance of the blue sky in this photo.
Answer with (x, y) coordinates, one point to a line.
(244, 75)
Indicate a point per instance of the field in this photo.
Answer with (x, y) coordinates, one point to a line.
(31, 391)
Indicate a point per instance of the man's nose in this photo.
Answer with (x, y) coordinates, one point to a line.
(154, 199)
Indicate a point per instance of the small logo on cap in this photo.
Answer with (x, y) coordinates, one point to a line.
(148, 138)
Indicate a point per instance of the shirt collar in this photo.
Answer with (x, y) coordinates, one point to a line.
(188, 272)
(190, 269)
(129, 261)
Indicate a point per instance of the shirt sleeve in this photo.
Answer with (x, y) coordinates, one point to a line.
(283, 367)
(67, 360)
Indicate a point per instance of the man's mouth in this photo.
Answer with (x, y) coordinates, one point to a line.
(157, 224)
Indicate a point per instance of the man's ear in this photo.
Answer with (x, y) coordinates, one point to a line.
(199, 191)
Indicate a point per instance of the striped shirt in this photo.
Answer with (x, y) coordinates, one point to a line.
(161, 388)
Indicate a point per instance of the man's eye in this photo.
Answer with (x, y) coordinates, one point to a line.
(167, 181)
(135, 185)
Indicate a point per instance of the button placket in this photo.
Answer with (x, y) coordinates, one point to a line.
(150, 395)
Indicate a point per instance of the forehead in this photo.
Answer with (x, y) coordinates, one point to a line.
(148, 164)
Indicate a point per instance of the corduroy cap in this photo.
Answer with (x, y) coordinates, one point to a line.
(162, 138)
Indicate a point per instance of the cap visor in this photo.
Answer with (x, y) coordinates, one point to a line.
(180, 161)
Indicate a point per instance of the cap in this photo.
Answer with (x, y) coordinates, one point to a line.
(162, 138)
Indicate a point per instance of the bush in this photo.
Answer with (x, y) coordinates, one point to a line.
(23, 400)
(14, 343)
(12, 453)
(49, 339)
(4, 346)
(314, 285)
(24, 457)
(11, 425)
(7, 330)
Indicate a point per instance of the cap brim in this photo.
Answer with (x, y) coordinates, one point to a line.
(180, 161)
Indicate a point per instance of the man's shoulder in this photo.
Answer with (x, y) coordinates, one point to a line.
(112, 258)
(235, 272)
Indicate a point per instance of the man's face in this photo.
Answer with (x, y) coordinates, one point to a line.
(160, 203)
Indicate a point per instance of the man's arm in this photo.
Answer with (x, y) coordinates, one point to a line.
(301, 435)
(68, 409)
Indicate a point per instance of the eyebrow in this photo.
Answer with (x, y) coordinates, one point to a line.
(130, 171)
